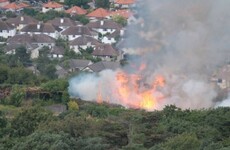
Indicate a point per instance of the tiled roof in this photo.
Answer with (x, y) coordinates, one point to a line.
(52, 5)
(22, 20)
(3, 1)
(32, 39)
(124, 13)
(57, 50)
(105, 50)
(44, 28)
(99, 13)
(12, 46)
(58, 22)
(5, 26)
(103, 65)
(84, 40)
(125, 2)
(104, 24)
(76, 63)
(77, 30)
(76, 10)
(15, 6)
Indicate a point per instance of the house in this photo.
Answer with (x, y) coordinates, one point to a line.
(34, 40)
(74, 65)
(125, 13)
(105, 26)
(99, 13)
(4, 3)
(111, 38)
(63, 23)
(74, 32)
(21, 21)
(6, 29)
(75, 10)
(61, 72)
(106, 52)
(51, 5)
(15, 7)
(102, 65)
(83, 42)
(222, 77)
(42, 28)
(124, 3)
(31, 48)
(33, 69)
(56, 52)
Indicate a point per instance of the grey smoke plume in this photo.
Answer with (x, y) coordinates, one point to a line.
(185, 41)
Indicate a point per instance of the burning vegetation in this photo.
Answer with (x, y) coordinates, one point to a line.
(129, 92)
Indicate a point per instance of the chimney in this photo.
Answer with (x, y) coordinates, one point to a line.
(62, 20)
(102, 22)
(121, 32)
(22, 18)
(79, 29)
(38, 26)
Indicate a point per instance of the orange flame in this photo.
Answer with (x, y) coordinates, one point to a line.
(130, 93)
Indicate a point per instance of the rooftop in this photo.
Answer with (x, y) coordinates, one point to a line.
(76, 10)
(99, 13)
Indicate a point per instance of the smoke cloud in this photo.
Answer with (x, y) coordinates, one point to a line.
(184, 41)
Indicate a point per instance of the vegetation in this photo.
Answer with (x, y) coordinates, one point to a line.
(102, 3)
(81, 3)
(51, 14)
(120, 20)
(90, 126)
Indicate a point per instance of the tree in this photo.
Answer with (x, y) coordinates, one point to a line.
(81, 3)
(102, 3)
(120, 20)
(20, 75)
(45, 65)
(22, 55)
(50, 71)
(45, 140)
(181, 142)
(17, 95)
(3, 73)
(28, 120)
(30, 11)
(55, 85)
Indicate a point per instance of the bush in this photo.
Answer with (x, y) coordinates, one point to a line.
(73, 106)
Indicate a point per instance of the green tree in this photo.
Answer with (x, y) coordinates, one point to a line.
(180, 142)
(102, 3)
(28, 120)
(55, 85)
(120, 20)
(3, 73)
(45, 141)
(20, 75)
(22, 56)
(30, 12)
(81, 3)
(17, 95)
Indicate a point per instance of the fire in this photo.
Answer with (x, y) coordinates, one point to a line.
(148, 101)
(131, 91)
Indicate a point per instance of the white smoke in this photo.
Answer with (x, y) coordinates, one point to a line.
(185, 41)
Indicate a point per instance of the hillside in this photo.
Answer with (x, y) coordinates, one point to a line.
(91, 126)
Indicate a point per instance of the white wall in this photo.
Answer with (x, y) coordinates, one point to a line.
(44, 9)
(7, 33)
